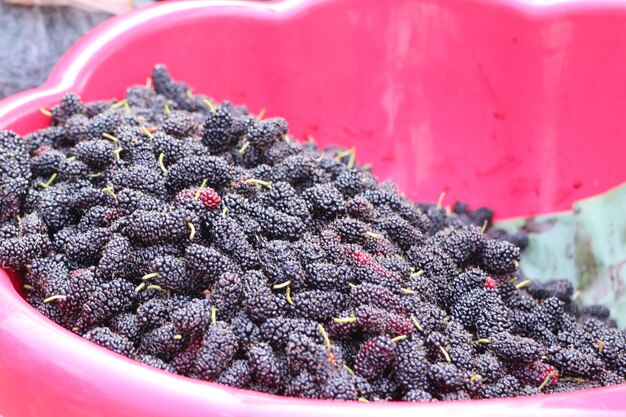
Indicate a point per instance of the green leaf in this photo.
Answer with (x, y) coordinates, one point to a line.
(586, 246)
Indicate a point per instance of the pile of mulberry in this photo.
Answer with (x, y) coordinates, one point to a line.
(200, 239)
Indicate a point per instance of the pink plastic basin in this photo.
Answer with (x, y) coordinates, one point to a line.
(514, 104)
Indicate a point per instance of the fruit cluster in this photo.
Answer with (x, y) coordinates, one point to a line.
(202, 240)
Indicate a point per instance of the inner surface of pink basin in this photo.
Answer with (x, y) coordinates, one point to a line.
(517, 105)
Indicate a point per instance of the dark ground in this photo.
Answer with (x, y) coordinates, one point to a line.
(32, 39)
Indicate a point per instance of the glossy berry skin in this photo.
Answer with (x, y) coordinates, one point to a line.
(179, 125)
(171, 273)
(193, 317)
(417, 395)
(374, 357)
(18, 251)
(108, 299)
(303, 385)
(237, 375)
(535, 373)
(499, 257)
(110, 340)
(192, 171)
(150, 227)
(218, 133)
(207, 196)
(218, 349)
(515, 348)
(411, 365)
(339, 387)
(266, 368)
(162, 342)
(115, 257)
(325, 201)
(264, 133)
(97, 154)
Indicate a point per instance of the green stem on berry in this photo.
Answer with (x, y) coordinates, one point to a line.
(288, 296)
(162, 162)
(260, 182)
(475, 378)
(416, 323)
(147, 132)
(547, 379)
(324, 336)
(445, 354)
(109, 191)
(213, 315)
(407, 291)
(199, 190)
(210, 105)
(55, 297)
(343, 153)
(351, 319)
(140, 287)
(440, 200)
(281, 285)
(573, 379)
(110, 137)
(523, 284)
(399, 338)
(45, 112)
(118, 104)
(417, 274)
(48, 183)
(352, 158)
(192, 229)
(244, 147)
(150, 276)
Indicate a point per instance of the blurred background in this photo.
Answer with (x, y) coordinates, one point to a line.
(35, 33)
